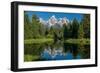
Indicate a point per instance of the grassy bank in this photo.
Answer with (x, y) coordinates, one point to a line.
(28, 58)
(38, 41)
(78, 41)
(44, 40)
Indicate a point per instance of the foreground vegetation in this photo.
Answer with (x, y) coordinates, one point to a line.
(78, 41)
(38, 41)
(71, 41)
(30, 57)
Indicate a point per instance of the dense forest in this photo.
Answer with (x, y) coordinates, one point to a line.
(33, 29)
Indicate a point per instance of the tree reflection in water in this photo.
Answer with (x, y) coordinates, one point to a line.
(56, 51)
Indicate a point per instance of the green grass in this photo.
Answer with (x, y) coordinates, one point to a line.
(44, 40)
(78, 41)
(30, 57)
(38, 41)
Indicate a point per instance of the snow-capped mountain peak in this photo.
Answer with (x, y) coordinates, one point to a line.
(41, 20)
(53, 21)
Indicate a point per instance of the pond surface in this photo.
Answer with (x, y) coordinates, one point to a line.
(55, 51)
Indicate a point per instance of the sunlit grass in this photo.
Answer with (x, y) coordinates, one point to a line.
(37, 41)
(47, 40)
(28, 58)
(78, 41)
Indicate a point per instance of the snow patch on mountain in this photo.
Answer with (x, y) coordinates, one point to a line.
(53, 21)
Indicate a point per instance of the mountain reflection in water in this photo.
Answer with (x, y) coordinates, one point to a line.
(56, 51)
(56, 54)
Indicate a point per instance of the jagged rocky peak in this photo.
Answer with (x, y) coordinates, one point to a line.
(42, 21)
(65, 20)
(52, 21)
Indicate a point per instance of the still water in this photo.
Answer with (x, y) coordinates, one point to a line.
(55, 51)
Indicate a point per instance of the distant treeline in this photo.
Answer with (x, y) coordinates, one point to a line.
(33, 29)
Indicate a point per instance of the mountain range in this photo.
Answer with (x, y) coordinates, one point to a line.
(53, 21)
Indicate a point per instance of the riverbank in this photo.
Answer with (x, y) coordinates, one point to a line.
(38, 41)
(44, 40)
(78, 41)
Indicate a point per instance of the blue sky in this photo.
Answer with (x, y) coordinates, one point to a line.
(47, 15)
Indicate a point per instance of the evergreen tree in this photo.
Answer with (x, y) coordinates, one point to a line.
(42, 30)
(35, 27)
(86, 25)
(69, 30)
(75, 26)
(51, 30)
(65, 31)
(27, 27)
(80, 32)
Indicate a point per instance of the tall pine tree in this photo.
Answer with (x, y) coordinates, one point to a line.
(81, 32)
(86, 25)
(27, 27)
(75, 26)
